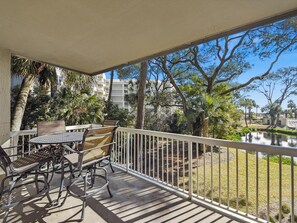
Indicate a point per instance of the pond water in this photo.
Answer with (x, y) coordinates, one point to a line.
(268, 138)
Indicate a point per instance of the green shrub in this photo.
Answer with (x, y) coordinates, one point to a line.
(281, 217)
(245, 130)
(275, 159)
(234, 137)
(272, 219)
(284, 131)
(285, 209)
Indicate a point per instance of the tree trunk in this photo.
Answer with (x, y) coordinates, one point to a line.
(245, 118)
(54, 88)
(273, 120)
(141, 96)
(110, 86)
(198, 130)
(21, 102)
(198, 125)
(205, 124)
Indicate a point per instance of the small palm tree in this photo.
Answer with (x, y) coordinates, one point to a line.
(291, 105)
(248, 104)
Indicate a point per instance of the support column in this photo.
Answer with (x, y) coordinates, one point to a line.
(5, 77)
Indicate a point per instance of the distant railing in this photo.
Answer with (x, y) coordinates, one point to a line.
(23, 137)
(252, 180)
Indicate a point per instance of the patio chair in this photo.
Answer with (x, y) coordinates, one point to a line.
(51, 128)
(104, 124)
(110, 123)
(85, 162)
(17, 174)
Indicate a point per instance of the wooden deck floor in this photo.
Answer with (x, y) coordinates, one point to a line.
(134, 200)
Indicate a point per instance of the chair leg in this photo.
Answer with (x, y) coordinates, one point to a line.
(93, 172)
(2, 187)
(84, 197)
(5, 216)
(107, 181)
(110, 194)
(83, 210)
(111, 166)
(36, 182)
(47, 188)
(11, 187)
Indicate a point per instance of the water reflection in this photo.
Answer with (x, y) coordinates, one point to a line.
(268, 138)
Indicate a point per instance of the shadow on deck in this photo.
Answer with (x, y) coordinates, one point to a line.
(134, 200)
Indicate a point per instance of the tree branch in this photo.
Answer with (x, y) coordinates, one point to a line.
(261, 77)
(172, 81)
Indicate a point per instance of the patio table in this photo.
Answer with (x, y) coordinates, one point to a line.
(64, 138)
(58, 139)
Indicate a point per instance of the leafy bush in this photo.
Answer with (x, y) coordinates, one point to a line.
(245, 130)
(284, 131)
(234, 137)
(285, 209)
(285, 160)
(272, 219)
(113, 112)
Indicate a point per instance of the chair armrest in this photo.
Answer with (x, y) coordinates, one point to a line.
(68, 148)
(10, 147)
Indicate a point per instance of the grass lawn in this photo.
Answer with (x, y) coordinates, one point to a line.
(274, 183)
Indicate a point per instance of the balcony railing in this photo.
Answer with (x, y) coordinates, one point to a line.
(251, 180)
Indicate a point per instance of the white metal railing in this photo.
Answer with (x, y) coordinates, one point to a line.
(235, 176)
(23, 137)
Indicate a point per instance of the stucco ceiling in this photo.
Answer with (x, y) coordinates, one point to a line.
(94, 36)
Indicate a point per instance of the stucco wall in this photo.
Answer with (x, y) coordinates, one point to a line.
(5, 58)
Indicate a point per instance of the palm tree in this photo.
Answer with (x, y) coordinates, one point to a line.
(248, 104)
(273, 110)
(257, 106)
(78, 82)
(30, 71)
(291, 105)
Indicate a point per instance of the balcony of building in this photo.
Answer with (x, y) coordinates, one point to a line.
(162, 177)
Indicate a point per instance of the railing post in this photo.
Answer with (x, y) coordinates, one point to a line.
(128, 152)
(190, 148)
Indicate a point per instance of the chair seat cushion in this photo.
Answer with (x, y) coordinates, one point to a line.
(89, 156)
(29, 162)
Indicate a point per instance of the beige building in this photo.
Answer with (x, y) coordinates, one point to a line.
(119, 90)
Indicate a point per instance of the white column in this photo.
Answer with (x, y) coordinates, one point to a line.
(5, 76)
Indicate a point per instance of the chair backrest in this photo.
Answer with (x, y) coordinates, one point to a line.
(51, 127)
(97, 145)
(110, 123)
(5, 161)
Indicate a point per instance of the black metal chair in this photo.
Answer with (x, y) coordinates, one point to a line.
(17, 174)
(85, 162)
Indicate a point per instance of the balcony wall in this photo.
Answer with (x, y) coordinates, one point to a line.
(5, 58)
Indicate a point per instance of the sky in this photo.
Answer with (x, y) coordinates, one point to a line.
(286, 60)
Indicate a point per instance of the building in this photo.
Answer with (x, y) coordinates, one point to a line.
(119, 90)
